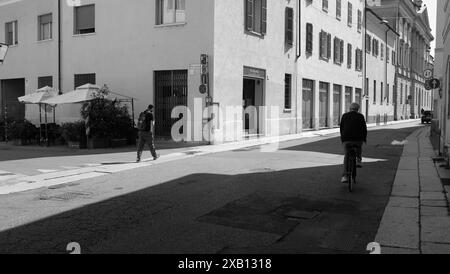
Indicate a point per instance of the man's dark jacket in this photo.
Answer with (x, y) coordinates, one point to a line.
(353, 127)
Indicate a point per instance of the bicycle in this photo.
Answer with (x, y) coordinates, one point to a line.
(352, 167)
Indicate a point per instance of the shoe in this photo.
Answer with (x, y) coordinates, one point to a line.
(156, 157)
(344, 180)
(138, 160)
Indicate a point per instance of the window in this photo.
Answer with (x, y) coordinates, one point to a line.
(338, 9)
(359, 21)
(393, 58)
(359, 60)
(289, 25)
(368, 43)
(367, 87)
(401, 94)
(382, 51)
(374, 92)
(288, 92)
(46, 81)
(325, 5)
(83, 79)
(325, 45)
(338, 51)
(388, 94)
(256, 13)
(349, 56)
(11, 33)
(45, 23)
(350, 15)
(382, 93)
(170, 11)
(84, 19)
(309, 38)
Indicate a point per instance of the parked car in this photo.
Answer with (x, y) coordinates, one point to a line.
(427, 116)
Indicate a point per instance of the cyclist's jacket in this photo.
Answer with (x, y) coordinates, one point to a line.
(353, 127)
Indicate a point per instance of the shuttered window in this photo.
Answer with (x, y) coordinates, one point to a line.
(288, 92)
(256, 16)
(359, 21)
(338, 9)
(328, 46)
(349, 55)
(45, 81)
(83, 79)
(309, 38)
(325, 45)
(325, 5)
(350, 15)
(368, 43)
(289, 18)
(84, 19)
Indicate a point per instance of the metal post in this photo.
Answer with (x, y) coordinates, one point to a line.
(40, 123)
(46, 127)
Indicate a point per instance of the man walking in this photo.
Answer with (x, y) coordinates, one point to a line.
(146, 127)
(353, 134)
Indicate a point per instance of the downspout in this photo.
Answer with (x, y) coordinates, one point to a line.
(297, 57)
(364, 85)
(59, 48)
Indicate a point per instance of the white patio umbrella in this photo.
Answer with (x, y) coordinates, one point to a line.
(37, 98)
(81, 94)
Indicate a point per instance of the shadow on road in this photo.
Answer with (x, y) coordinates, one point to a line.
(184, 215)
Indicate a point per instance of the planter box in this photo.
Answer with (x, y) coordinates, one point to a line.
(95, 143)
(119, 143)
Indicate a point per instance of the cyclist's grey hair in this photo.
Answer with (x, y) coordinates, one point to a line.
(354, 107)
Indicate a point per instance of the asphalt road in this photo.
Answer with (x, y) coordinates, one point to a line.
(246, 201)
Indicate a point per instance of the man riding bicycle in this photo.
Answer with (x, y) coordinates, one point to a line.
(353, 134)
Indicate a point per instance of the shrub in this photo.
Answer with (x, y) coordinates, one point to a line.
(74, 132)
(23, 130)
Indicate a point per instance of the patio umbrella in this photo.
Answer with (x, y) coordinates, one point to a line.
(81, 94)
(38, 97)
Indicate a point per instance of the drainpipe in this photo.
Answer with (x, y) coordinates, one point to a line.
(297, 57)
(365, 87)
(59, 48)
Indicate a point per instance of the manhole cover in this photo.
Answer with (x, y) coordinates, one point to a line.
(67, 196)
(302, 215)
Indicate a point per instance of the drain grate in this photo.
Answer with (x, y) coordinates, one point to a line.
(67, 196)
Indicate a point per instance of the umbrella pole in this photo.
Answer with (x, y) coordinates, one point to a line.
(40, 124)
(46, 127)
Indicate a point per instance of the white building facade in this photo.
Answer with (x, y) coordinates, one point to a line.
(303, 58)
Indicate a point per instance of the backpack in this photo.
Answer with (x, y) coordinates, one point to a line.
(142, 122)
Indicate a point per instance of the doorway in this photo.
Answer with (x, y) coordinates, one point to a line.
(10, 106)
(253, 99)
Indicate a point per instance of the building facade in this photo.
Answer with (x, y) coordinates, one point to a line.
(412, 58)
(442, 72)
(304, 59)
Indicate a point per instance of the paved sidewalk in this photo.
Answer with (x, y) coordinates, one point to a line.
(416, 219)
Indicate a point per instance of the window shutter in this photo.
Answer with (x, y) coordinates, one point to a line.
(309, 38)
(336, 50)
(85, 17)
(264, 17)
(289, 27)
(349, 55)
(341, 60)
(323, 44)
(329, 46)
(249, 11)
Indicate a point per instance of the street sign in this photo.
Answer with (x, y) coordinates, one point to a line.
(3, 51)
(428, 85)
(203, 89)
(435, 83)
(428, 74)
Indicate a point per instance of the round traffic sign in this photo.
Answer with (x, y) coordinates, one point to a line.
(428, 74)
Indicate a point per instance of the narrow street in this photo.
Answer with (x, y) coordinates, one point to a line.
(238, 201)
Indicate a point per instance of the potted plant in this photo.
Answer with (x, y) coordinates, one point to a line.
(74, 134)
(108, 123)
(22, 132)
